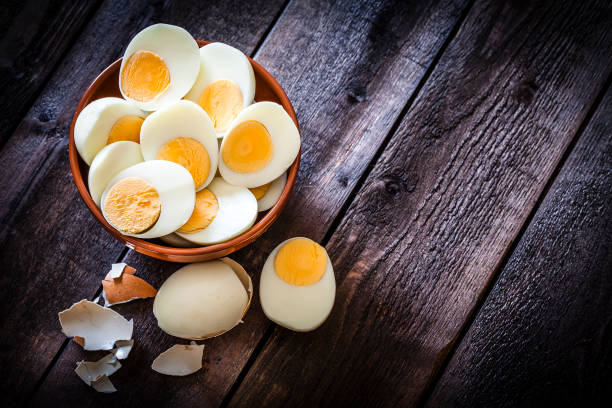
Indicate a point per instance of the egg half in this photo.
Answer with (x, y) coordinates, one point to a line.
(149, 199)
(160, 65)
(261, 144)
(105, 121)
(225, 84)
(182, 133)
(297, 287)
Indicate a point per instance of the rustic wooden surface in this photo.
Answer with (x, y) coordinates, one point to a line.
(430, 134)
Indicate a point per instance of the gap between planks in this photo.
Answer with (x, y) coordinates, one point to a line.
(484, 295)
(360, 182)
(126, 251)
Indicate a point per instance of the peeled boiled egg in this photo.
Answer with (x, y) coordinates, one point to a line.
(260, 145)
(297, 287)
(105, 121)
(203, 300)
(182, 133)
(149, 199)
(222, 211)
(159, 66)
(225, 84)
(108, 162)
(268, 194)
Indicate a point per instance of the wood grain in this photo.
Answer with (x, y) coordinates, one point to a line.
(442, 206)
(349, 70)
(543, 336)
(53, 251)
(35, 36)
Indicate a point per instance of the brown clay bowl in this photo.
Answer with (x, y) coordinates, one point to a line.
(107, 84)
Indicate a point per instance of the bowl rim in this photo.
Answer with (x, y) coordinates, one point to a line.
(168, 252)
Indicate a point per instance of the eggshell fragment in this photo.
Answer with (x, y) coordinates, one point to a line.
(118, 269)
(93, 372)
(179, 360)
(103, 385)
(123, 348)
(124, 287)
(99, 327)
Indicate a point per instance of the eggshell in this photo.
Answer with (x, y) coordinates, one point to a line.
(179, 360)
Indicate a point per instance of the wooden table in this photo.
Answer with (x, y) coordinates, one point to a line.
(457, 166)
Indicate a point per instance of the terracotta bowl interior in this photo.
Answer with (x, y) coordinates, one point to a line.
(107, 84)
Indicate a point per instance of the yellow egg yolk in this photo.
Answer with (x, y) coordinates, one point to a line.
(248, 147)
(300, 262)
(260, 191)
(126, 128)
(145, 76)
(204, 212)
(190, 154)
(132, 205)
(222, 100)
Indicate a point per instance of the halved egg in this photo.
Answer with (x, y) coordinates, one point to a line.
(222, 212)
(261, 144)
(225, 84)
(182, 133)
(105, 121)
(297, 287)
(149, 199)
(159, 66)
(108, 162)
(268, 194)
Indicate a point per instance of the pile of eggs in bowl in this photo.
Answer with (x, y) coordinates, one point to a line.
(186, 155)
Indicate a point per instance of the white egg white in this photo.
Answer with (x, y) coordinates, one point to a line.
(180, 53)
(237, 213)
(108, 162)
(273, 194)
(299, 308)
(95, 122)
(285, 140)
(220, 61)
(176, 192)
(180, 119)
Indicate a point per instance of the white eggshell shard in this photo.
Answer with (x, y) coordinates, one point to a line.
(203, 300)
(298, 308)
(179, 360)
(123, 348)
(285, 139)
(176, 241)
(175, 188)
(237, 213)
(95, 122)
(92, 371)
(180, 53)
(273, 194)
(181, 119)
(220, 61)
(108, 163)
(98, 326)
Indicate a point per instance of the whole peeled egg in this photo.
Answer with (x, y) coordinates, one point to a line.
(297, 287)
(203, 300)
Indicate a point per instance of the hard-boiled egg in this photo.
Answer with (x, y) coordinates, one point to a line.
(159, 66)
(297, 287)
(225, 84)
(260, 145)
(105, 121)
(268, 194)
(182, 133)
(222, 212)
(149, 199)
(108, 162)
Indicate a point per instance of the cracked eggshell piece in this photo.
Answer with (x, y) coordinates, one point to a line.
(99, 327)
(90, 371)
(103, 385)
(126, 288)
(179, 360)
(123, 348)
(203, 300)
(273, 194)
(108, 162)
(175, 188)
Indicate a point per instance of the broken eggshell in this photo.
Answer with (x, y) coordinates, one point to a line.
(95, 373)
(125, 288)
(99, 327)
(179, 360)
(203, 300)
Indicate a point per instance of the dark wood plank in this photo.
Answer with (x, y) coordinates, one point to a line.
(442, 206)
(53, 251)
(35, 36)
(543, 336)
(348, 69)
